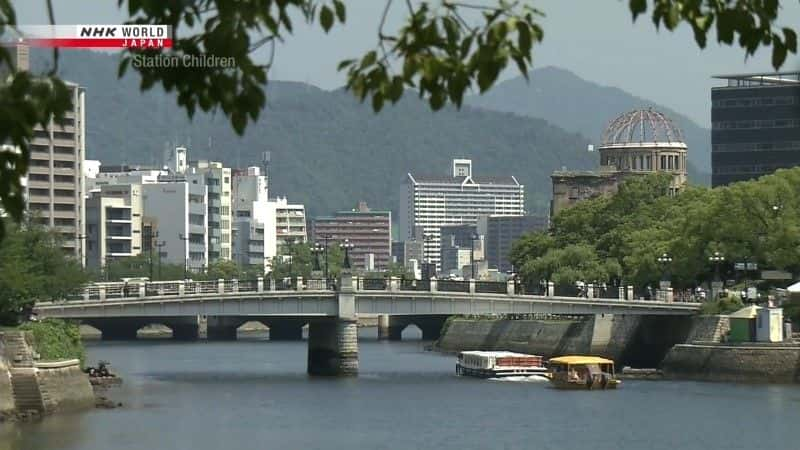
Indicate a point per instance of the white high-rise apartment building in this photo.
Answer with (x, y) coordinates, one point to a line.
(432, 201)
(254, 220)
(290, 225)
(220, 213)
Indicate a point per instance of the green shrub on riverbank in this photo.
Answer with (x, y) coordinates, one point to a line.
(56, 339)
(722, 306)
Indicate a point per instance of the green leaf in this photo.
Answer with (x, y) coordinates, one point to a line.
(637, 7)
(778, 54)
(340, 10)
(369, 59)
(326, 18)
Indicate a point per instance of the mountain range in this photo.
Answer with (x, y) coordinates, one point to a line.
(327, 150)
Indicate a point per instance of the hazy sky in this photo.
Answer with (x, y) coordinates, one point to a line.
(593, 38)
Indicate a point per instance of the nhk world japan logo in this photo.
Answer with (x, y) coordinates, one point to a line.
(96, 36)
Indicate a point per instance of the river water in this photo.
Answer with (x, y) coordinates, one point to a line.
(256, 395)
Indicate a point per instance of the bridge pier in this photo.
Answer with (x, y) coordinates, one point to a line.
(126, 332)
(116, 329)
(185, 331)
(431, 326)
(390, 328)
(221, 328)
(333, 347)
(286, 330)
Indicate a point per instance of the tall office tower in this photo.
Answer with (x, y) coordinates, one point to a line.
(370, 233)
(254, 220)
(113, 224)
(755, 126)
(433, 201)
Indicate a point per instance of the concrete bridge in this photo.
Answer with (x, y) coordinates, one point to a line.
(118, 310)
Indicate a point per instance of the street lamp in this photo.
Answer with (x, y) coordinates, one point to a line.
(316, 249)
(325, 238)
(346, 245)
(665, 260)
(185, 239)
(716, 259)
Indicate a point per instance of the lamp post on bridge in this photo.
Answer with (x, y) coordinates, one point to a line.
(346, 246)
(665, 261)
(185, 239)
(716, 259)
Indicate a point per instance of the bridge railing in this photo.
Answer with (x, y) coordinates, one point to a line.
(134, 290)
(491, 287)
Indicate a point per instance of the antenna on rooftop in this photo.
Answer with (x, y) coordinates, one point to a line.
(265, 160)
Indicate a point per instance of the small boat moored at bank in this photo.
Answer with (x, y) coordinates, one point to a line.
(583, 372)
(498, 364)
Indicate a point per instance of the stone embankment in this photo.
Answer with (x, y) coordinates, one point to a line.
(682, 347)
(751, 362)
(630, 340)
(33, 388)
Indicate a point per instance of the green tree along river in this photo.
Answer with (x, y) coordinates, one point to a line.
(620, 237)
(256, 395)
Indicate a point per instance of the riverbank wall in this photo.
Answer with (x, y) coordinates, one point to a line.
(42, 387)
(749, 362)
(636, 341)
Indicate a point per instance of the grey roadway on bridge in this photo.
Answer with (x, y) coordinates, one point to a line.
(258, 298)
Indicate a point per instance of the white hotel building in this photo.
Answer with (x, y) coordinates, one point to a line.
(429, 202)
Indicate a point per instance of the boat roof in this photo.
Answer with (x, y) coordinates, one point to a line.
(576, 359)
(499, 354)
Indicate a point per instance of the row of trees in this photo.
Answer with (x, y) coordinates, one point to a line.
(620, 237)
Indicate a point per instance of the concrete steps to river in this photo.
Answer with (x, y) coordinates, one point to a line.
(25, 387)
(17, 349)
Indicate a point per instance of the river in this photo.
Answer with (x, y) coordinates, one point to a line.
(255, 394)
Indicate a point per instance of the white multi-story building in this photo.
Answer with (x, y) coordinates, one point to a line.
(56, 189)
(432, 201)
(254, 220)
(220, 218)
(290, 222)
(113, 224)
(177, 212)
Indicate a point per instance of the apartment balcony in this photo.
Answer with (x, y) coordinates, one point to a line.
(38, 199)
(64, 171)
(64, 228)
(118, 219)
(119, 237)
(64, 157)
(64, 142)
(64, 214)
(59, 185)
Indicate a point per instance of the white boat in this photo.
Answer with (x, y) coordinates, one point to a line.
(499, 364)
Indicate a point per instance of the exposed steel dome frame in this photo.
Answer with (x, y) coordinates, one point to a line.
(642, 126)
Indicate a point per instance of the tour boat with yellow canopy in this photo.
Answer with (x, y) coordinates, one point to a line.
(582, 372)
